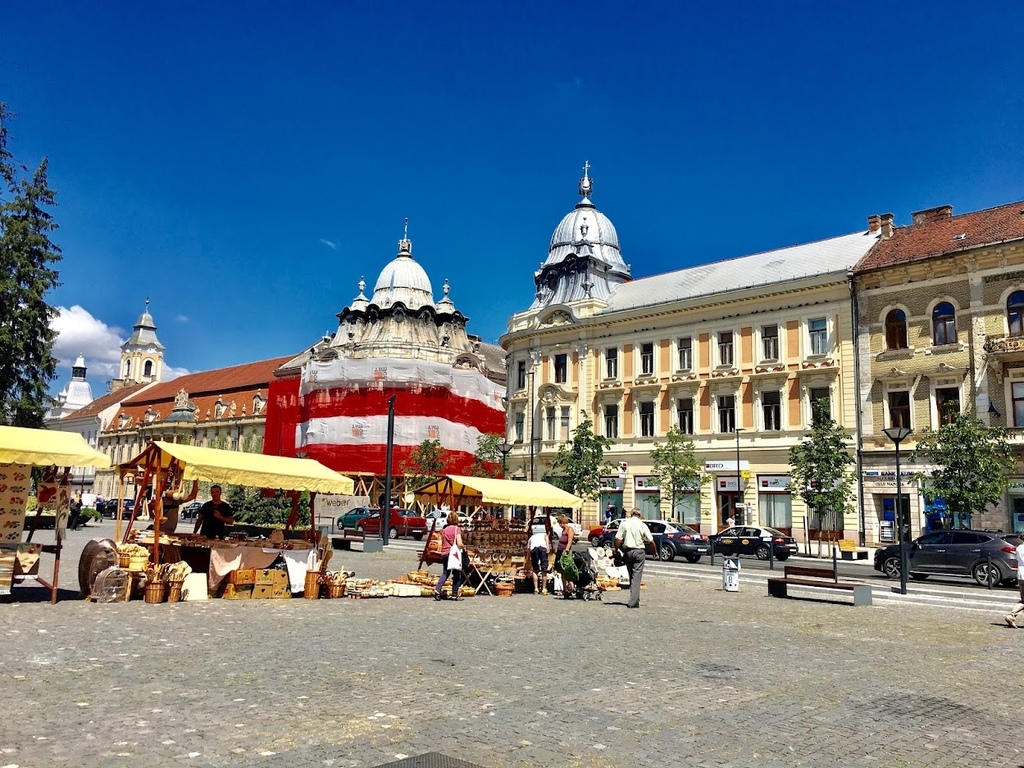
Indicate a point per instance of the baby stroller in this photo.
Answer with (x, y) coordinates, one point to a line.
(585, 579)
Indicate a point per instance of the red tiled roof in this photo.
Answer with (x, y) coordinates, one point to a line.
(104, 401)
(928, 239)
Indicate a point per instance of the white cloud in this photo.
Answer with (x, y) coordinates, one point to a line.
(332, 245)
(169, 373)
(181, 318)
(79, 333)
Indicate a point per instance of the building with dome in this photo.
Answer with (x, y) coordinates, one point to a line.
(731, 353)
(142, 355)
(331, 402)
(76, 394)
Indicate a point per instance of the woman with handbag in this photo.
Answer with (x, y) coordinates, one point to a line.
(565, 542)
(451, 557)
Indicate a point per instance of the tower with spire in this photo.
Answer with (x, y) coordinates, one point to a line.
(76, 394)
(142, 356)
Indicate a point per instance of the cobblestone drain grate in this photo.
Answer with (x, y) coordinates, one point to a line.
(718, 671)
(429, 760)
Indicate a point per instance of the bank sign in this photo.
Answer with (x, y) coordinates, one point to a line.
(725, 466)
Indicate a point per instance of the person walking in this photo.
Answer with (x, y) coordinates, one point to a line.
(1011, 617)
(632, 538)
(451, 536)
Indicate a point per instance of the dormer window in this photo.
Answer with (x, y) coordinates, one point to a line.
(150, 415)
(258, 403)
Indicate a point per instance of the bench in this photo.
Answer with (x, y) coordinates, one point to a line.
(348, 538)
(823, 578)
(850, 551)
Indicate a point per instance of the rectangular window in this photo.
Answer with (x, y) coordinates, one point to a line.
(521, 374)
(818, 328)
(561, 368)
(684, 412)
(727, 413)
(611, 421)
(647, 418)
(771, 410)
(821, 394)
(776, 510)
(647, 359)
(611, 363)
(947, 404)
(520, 426)
(725, 348)
(899, 409)
(1017, 391)
(549, 418)
(686, 354)
(564, 436)
(688, 509)
(770, 342)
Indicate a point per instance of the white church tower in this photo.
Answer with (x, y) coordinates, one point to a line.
(142, 356)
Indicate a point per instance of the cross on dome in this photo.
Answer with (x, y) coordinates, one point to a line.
(586, 183)
(405, 244)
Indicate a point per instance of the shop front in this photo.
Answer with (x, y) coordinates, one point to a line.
(774, 503)
(647, 496)
(611, 493)
(880, 505)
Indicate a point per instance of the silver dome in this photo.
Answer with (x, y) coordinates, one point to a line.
(403, 280)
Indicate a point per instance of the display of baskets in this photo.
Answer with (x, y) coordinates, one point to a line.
(174, 591)
(336, 590)
(504, 588)
(137, 562)
(154, 592)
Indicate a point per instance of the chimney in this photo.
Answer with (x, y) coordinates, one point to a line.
(933, 214)
(874, 223)
(886, 225)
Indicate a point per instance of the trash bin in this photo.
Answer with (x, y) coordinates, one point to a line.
(731, 574)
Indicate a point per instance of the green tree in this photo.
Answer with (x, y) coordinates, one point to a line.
(819, 468)
(487, 457)
(27, 256)
(971, 461)
(579, 464)
(427, 462)
(677, 468)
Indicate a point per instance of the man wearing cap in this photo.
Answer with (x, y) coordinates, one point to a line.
(632, 538)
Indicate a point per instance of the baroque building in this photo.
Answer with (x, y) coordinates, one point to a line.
(940, 315)
(142, 355)
(733, 353)
(397, 346)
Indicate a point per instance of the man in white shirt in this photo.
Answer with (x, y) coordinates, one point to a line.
(1011, 617)
(632, 537)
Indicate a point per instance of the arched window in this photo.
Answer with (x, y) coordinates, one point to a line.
(943, 324)
(127, 369)
(147, 369)
(896, 330)
(1015, 313)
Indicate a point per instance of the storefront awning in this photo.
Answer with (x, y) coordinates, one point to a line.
(254, 470)
(489, 490)
(46, 448)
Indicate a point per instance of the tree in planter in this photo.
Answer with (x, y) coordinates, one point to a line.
(677, 468)
(971, 461)
(487, 457)
(579, 464)
(27, 259)
(819, 468)
(427, 462)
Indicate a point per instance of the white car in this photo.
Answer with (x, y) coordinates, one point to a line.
(441, 515)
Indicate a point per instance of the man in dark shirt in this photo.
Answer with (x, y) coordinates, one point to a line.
(214, 516)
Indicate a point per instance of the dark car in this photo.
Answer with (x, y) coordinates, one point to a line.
(404, 522)
(350, 519)
(598, 531)
(191, 510)
(756, 540)
(110, 507)
(983, 555)
(680, 540)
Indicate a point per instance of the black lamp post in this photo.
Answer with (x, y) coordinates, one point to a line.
(504, 446)
(533, 419)
(898, 435)
(385, 507)
(740, 504)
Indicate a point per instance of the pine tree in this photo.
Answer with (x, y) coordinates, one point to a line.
(27, 256)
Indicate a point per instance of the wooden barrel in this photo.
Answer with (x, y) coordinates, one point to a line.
(312, 586)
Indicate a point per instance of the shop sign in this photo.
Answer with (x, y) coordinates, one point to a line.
(612, 483)
(773, 483)
(727, 484)
(646, 483)
(1015, 485)
(725, 466)
(333, 505)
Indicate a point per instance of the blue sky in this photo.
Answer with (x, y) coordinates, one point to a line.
(244, 164)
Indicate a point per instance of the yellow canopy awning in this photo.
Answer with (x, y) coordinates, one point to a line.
(47, 448)
(250, 469)
(489, 490)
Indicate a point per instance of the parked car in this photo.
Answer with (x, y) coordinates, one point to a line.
(404, 522)
(190, 511)
(539, 520)
(594, 537)
(350, 519)
(754, 540)
(110, 507)
(982, 555)
(678, 539)
(441, 515)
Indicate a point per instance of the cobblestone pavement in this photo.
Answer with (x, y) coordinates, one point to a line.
(696, 677)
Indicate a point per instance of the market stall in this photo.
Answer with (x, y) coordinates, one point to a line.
(21, 449)
(496, 546)
(166, 465)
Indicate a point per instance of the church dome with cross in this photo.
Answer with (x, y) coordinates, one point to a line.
(584, 259)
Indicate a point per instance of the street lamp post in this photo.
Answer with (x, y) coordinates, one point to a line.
(533, 420)
(504, 446)
(740, 505)
(898, 435)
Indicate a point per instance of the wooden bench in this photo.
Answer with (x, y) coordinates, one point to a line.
(823, 578)
(850, 551)
(348, 538)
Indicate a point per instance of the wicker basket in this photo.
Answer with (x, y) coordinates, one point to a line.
(336, 590)
(154, 592)
(174, 591)
(123, 560)
(504, 588)
(138, 562)
(312, 586)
